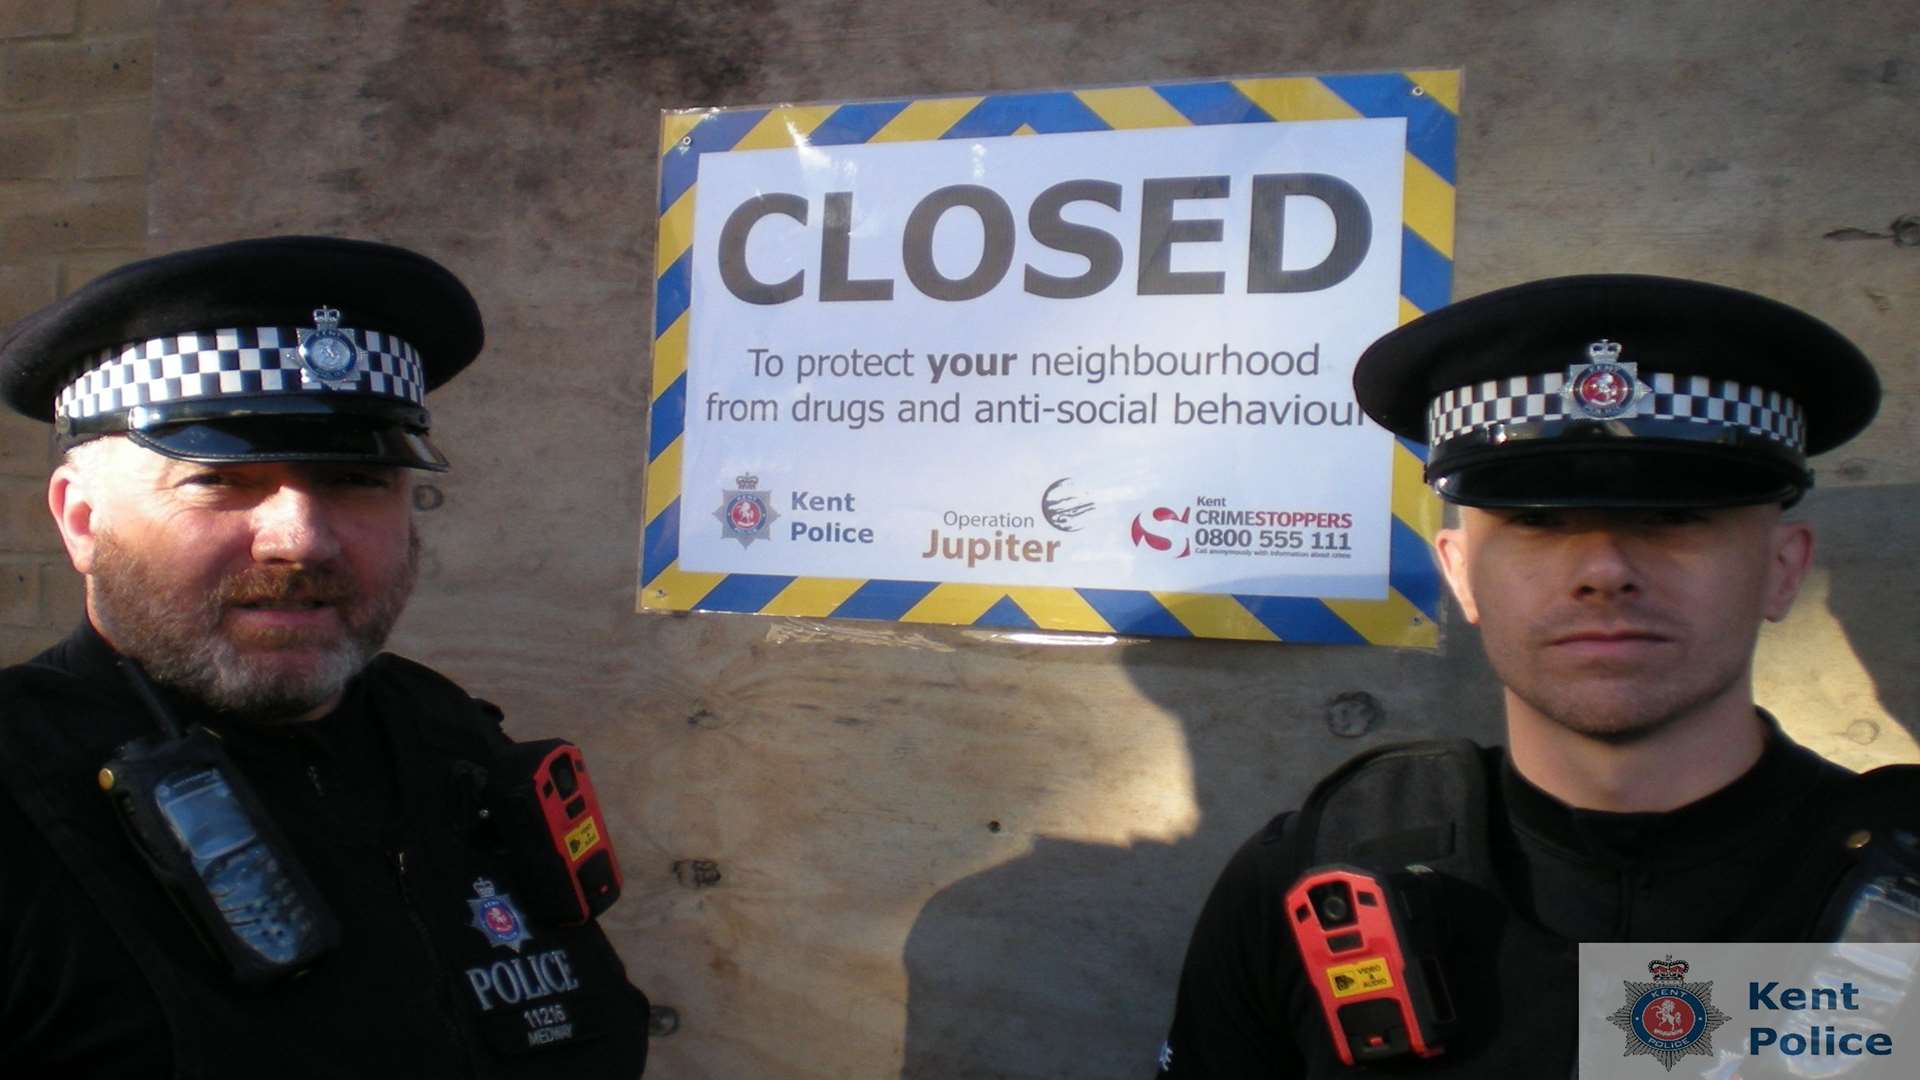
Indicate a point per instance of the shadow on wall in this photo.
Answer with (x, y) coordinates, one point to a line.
(1063, 963)
(1865, 539)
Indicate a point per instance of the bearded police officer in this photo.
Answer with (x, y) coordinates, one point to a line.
(1621, 450)
(235, 839)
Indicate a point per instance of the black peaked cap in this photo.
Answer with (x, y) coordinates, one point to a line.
(273, 281)
(1676, 327)
(290, 348)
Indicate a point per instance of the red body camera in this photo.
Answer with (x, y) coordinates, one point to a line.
(1378, 983)
(552, 818)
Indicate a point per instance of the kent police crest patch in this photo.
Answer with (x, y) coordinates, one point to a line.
(1669, 1017)
(746, 513)
(495, 916)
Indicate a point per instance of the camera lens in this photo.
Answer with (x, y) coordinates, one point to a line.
(564, 778)
(1333, 903)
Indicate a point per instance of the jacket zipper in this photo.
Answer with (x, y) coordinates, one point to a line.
(451, 1013)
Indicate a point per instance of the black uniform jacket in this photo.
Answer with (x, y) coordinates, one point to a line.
(101, 975)
(1755, 861)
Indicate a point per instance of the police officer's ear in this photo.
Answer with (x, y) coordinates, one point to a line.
(71, 499)
(1792, 556)
(1450, 547)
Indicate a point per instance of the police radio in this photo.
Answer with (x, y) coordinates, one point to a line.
(544, 802)
(1879, 898)
(1371, 960)
(207, 838)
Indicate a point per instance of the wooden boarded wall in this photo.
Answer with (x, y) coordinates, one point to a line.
(860, 850)
(76, 106)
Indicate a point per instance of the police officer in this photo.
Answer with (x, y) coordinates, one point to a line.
(239, 425)
(1621, 451)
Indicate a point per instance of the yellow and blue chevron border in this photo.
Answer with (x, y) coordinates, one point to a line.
(1430, 102)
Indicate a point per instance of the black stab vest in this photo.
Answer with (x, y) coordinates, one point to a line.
(434, 997)
(1514, 982)
(1427, 803)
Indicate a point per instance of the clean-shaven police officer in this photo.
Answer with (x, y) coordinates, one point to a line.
(239, 423)
(1621, 450)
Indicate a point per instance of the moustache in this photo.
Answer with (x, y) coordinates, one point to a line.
(262, 585)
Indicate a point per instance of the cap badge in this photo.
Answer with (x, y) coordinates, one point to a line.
(327, 353)
(1603, 388)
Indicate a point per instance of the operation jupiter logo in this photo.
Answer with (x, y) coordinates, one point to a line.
(1007, 544)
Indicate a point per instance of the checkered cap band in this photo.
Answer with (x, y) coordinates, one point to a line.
(213, 364)
(1694, 398)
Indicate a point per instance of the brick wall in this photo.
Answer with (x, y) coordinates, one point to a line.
(76, 107)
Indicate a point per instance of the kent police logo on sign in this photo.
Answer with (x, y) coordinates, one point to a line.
(745, 513)
(1669, 1017)
(495, 916)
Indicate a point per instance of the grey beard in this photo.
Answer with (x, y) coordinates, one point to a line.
(178, 641)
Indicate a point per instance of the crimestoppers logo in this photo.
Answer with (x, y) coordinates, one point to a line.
(745, 513)
(1157, 541)
(1668, 1018)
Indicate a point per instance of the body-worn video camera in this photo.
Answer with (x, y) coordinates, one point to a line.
(206, 837)
(1371, 961)
(552, 823)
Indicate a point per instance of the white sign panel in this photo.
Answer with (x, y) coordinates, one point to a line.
(1105, 359)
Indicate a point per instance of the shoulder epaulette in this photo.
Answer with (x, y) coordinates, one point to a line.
(1417, 802)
